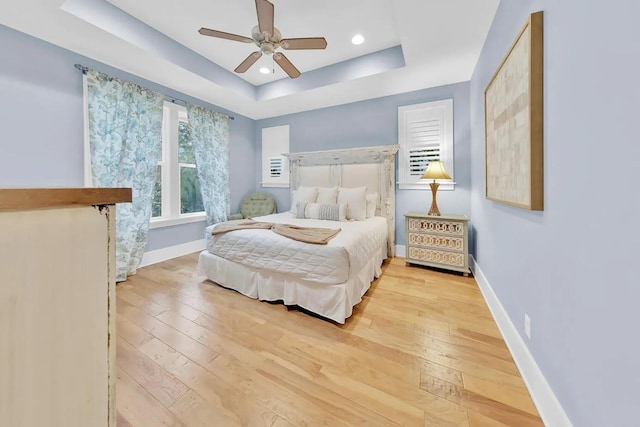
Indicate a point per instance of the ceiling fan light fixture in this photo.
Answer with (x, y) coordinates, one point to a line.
(265, 70)
(357, 39)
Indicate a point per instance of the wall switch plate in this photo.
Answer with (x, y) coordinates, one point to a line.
(527, 325)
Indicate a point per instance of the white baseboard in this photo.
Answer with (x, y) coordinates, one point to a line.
(159, 255)
(401, 251)
(545, 400)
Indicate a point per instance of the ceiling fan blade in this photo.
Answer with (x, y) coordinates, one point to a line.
(286, 65)
(265, 16)
(304, 43)
(247, 63)
(223, 35)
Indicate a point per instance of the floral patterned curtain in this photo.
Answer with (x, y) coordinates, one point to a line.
(125, 137)
(210, 138)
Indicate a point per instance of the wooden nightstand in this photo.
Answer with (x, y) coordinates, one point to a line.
(437, 241)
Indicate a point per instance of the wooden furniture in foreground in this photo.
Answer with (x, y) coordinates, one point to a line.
(437, 241)
(421, 350)
(57, 300)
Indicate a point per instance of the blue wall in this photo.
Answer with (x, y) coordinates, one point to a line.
(375, 122)
(41, 143)
(571, 267)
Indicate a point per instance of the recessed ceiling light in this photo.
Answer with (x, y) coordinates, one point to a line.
(357, 39)
(265, 70)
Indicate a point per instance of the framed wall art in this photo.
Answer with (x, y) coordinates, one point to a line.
(513, 123)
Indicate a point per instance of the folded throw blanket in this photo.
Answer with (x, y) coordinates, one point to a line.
(314, 235)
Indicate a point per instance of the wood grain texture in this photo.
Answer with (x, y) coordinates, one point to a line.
(420, 350)
(536, 117)
(39, 198)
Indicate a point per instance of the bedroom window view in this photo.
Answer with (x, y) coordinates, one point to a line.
(190, 194)
(419, 159)
(188, 199)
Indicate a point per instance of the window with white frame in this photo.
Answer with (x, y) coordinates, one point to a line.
(425, 133)
(177, 196)
(275, 167)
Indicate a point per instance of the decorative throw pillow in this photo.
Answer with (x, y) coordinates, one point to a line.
(372, 201)
(303, 194)
(301, 208)
(356, 201)
(327, 195)
(329, 212)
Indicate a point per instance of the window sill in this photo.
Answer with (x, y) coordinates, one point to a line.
(274, 185)
(184, 219)
(446, 186)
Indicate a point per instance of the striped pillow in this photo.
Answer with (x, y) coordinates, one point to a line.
(321, 211)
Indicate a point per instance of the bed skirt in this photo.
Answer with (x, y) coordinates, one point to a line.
(334, 302)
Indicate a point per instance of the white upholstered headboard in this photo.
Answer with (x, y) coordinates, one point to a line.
(373, 167)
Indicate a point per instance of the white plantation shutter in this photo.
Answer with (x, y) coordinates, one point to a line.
(276, 165)
(423, 141)
(425, 133)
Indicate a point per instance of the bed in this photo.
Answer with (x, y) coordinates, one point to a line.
(328, 280)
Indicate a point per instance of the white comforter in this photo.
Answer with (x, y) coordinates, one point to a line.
(350, 250)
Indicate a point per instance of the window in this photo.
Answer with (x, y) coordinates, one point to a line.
(190, 194)
(275, 167)
(177, 196)
(425, 133)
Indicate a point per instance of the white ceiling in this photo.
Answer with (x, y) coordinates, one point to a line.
(335, 20)
(441, 41)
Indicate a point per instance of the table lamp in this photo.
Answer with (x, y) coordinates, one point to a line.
(434, 171)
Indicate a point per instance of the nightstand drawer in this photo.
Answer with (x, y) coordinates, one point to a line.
(436, 241)
(454, 228)
(444, 258)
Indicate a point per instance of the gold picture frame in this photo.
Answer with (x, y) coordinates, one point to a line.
(514, 123)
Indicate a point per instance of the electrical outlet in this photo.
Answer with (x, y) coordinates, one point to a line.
(527, 325)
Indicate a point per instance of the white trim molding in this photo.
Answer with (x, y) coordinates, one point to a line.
(164, 254)
(271, 184)
(182, 219)
(424, 185)
(401, 251)
(548, 406)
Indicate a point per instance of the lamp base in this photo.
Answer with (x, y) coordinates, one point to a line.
(433, 210)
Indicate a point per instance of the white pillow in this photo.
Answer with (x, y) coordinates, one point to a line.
(303, 194)
(372, 201)
(322, 211)
(356, 201)
(327, 195)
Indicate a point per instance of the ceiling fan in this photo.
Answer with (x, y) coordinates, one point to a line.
(268, 39)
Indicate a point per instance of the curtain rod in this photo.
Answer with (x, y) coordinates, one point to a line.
(166, 97)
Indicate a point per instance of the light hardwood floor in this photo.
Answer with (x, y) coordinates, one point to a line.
(420, 350)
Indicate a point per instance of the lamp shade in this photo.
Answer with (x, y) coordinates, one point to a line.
(435, 170)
